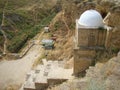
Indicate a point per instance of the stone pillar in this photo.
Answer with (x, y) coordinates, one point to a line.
(76, 32)
(108, 36)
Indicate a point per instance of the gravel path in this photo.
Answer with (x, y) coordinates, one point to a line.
(13, 72)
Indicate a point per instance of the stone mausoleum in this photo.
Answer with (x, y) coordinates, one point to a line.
(90, 35)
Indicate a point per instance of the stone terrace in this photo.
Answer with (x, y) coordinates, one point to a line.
(47, 74)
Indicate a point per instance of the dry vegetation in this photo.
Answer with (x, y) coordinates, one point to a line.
(63, 26)
(64, 39)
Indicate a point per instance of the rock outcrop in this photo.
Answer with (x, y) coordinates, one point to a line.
(101, 77)
(108, 74)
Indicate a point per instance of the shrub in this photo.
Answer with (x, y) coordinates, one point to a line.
(72, 26)
(17, 42)
(115, 50)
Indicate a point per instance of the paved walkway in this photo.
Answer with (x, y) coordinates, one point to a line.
(13, 72)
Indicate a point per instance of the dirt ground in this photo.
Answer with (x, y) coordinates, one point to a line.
(13, 72)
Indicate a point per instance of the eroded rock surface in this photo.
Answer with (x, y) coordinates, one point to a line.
(101, 77)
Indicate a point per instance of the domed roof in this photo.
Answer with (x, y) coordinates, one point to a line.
(91, 18)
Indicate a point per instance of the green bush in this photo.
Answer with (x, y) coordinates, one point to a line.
(72, 26)
(115, 50)
(17, 42)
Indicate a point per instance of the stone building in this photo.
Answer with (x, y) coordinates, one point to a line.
(90, 35)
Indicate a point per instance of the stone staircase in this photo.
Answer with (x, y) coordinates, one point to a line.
(80, 83)
(48, 74)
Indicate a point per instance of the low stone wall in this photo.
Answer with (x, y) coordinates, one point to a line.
(41, 86)
(29, 89)
(13, 56)
(55, 81)
(17, 55)
(26, 50)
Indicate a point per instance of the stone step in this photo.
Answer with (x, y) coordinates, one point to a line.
(41, 86)
(54, 81)
(48, 74)
(29, 86)
(41, 78)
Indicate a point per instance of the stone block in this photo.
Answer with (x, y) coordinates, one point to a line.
(81, 65)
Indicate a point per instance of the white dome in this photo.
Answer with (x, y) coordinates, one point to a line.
(91, 18)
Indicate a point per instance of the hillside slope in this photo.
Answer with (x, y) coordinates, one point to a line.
(23, 20)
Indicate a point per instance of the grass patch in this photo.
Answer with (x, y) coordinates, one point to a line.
(23, 21)
(58, 24)
(72, 26)
(22, 36)
(17, 43)
(115, 50)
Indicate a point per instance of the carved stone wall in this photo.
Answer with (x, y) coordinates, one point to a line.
(91, 37)
(82, 60)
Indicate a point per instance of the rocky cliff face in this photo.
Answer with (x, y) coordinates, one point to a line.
(106, 75)
(101, 77)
